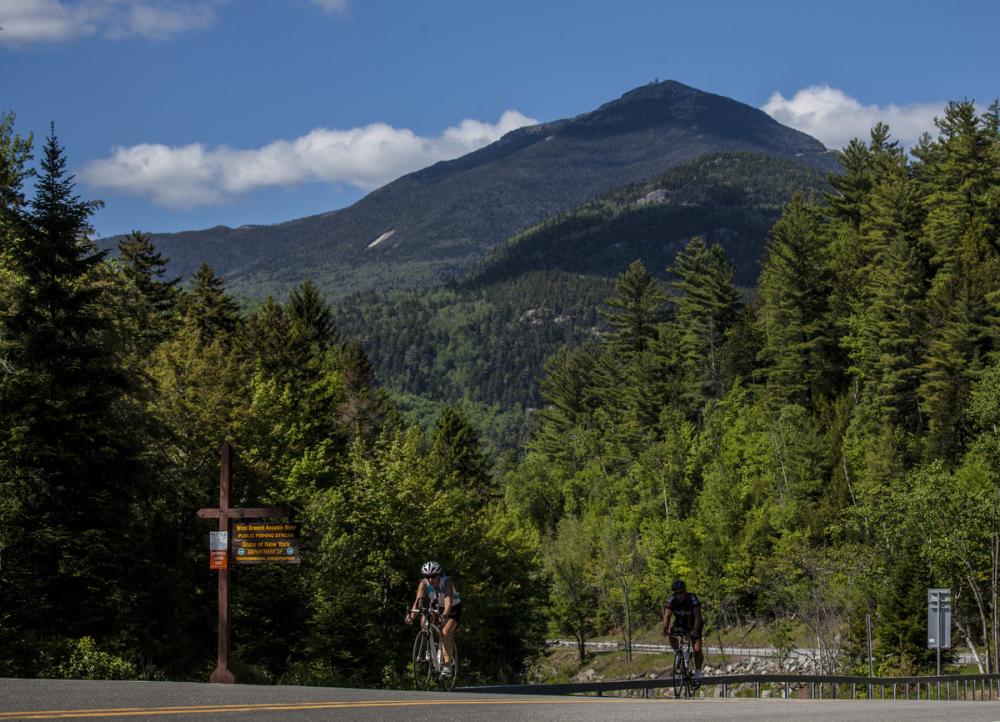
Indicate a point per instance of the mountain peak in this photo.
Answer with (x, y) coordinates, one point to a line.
(446, 217)
(670, 105)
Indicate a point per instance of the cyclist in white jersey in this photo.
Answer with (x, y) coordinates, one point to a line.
(440, 592)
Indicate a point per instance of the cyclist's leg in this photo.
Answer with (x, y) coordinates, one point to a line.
(675, 641)
(699, 657)
(448, 637)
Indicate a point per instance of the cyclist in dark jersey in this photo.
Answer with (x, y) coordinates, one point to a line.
(682, 615)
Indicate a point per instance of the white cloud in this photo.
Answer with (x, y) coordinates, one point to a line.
(30, 21)
(834, 117)
(34, 21)
(331, 6)
(196, 175)
(156, 20)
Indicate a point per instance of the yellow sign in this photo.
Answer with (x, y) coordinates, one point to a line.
(265, 542)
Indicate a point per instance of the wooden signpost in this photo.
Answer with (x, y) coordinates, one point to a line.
(224, 513)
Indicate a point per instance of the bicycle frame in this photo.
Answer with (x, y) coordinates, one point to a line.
(682, 674)
(428, 652)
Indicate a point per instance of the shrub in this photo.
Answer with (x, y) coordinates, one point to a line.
(86, 661)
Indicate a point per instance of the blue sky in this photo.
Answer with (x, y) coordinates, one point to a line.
(185, 114)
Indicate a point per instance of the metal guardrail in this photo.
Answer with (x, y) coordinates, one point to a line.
(944, 688)
(808, 653)
(735, 652)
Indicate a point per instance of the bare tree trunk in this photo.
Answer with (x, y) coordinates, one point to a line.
(628, 625)
(970, 579)
(966, 633)
(994, 559)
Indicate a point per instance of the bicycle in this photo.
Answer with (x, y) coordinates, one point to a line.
(683, 677)
(428, 653)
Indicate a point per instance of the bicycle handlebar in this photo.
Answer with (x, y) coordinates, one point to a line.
(426, 610)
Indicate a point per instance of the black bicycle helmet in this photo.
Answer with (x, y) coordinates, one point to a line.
(678, 586)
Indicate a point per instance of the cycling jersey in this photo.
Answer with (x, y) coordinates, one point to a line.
(683, 612)
(436, 596)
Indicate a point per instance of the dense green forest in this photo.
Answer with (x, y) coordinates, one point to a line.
(826, 450)
(117, 388)
(484, 345)
(483, 340)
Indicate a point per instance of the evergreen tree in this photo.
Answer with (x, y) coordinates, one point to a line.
(851, 254)
(311, 316)
(67, 452)
(456, 452)
(851, 187)
(901, 624)
(367, 409)
(265, 337)
(885, 329)
(358, 371)
(797, 354)
(962, 234)
(151, 300)
(706, 306)
(208, 307)
(570, 397)
(634, 311)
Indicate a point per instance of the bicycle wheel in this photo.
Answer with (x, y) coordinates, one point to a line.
(422, 663)
(680, 673)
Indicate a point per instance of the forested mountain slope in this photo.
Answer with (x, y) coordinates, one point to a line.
(485, 338)
(445, 218)
(729, 198)
(826, 453)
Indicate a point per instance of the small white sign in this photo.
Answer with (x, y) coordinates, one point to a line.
(218, 541)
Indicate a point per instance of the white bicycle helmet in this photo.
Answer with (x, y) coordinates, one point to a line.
(430, 568)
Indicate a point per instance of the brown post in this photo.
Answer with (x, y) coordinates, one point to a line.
(224, 513)
(222, 673)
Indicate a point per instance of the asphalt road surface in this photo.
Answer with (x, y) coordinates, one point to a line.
(73, 700)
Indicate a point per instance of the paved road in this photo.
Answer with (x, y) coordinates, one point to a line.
(69, 700)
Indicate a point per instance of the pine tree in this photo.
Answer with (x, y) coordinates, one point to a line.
(885, 330)
(570, 398)
(901, 624)
(851, 187)
(152, 301)
(67, 452)
(705, 307)
(457, 452)
(265, 337)
(962, 232)
(851, 254)
(797, 354)
(311, 316)
(209, 308)
(634, 311)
